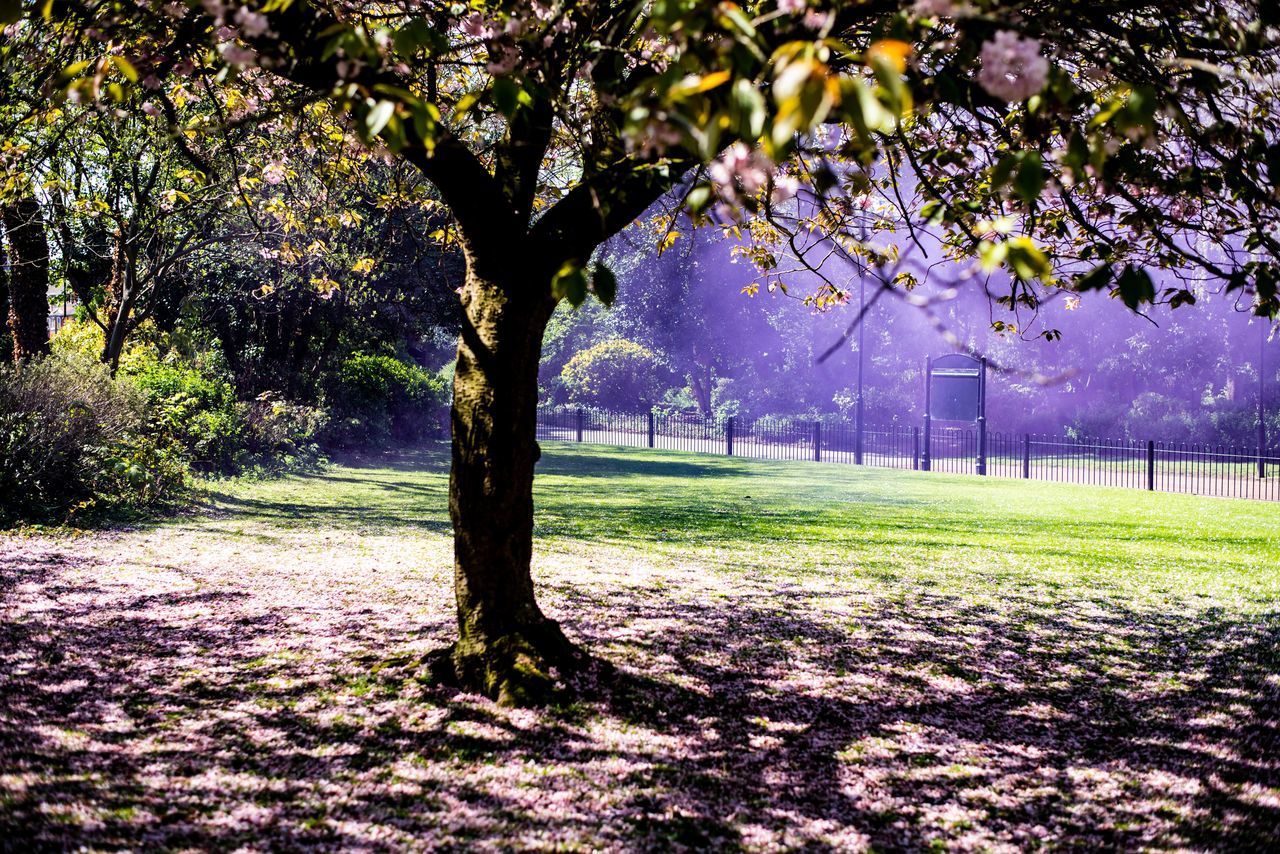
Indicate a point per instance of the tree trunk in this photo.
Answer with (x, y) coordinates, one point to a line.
(6, 342)
(28, 278)
(119, 304)
(506, 649)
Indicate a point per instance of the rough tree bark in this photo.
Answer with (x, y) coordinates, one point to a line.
(120, 293)
(507, 648)
(28, 277)
(6, 342)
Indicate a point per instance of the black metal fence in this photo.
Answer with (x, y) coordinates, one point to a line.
(1229, 472)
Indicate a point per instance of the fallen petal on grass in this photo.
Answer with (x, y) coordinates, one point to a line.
(849, 658)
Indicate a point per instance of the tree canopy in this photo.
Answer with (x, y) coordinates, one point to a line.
(1071, 149)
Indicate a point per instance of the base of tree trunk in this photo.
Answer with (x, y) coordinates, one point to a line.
(528, 667)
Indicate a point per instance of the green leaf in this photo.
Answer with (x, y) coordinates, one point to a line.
(126, 68)
(1028, 183)
(1027, 260)
(1135, 287)
(604, 284)
(506, 95)
(1095, 280)
(72, 71)
(378, 117)
(1003, 170)
(698, 199)
(412, 37)
(464, 105)
(570, 283)
(749, 109)
(1077, 156)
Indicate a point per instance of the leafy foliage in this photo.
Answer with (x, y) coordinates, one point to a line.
(376, 399)
(617, 374)
(198, 412)
(74, 444)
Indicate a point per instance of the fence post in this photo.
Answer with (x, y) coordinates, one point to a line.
(728, 436)
(915, 449)
(817, 441)
(1151, 465)
(1026, 455)
(581, 421)
(982, 444)
(928, 407)
(925, 462)
(858, 430)
(651, 428)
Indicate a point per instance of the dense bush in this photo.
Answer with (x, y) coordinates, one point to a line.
(1214, 421)
(375, 399)
(191, 405)
(73, 443)
(198, 412)
(280, 435)
(619, 374)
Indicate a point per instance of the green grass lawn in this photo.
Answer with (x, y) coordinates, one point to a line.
(807, 655)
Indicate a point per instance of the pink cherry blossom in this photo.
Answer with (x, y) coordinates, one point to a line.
(273, 173)
(785, 188)
(235, 54)
(656, 137)
(252, 24)
(477, 26)
(933, 8)
(740, 169)
(505, 60)
(819, 20)
(1012, 67)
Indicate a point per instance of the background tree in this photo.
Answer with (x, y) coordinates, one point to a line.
(28, 251)
(549, 127)
(342, 261)
(617, 374)
(6, 340)
(130, 215)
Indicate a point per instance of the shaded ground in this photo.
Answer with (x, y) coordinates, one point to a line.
(807, 656)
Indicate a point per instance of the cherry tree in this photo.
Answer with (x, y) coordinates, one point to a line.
(1071, 147)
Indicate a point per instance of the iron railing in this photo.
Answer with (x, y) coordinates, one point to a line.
(1200, 469)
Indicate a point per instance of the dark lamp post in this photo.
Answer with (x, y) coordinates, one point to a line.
(862, 338)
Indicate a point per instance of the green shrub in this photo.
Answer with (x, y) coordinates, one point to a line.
(73, 444)
(620, 375)
(197, 412)
(374, 399)
(280, 435)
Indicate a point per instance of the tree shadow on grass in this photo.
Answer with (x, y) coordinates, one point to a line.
(791, 717)
(943, 722)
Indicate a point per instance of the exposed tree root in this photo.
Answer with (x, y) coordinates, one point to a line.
(529, 667)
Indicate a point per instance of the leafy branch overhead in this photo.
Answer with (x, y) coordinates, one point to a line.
(1098, 142)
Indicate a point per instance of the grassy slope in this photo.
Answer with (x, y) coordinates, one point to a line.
(809, 654)
(960, 533)
(864, 526)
